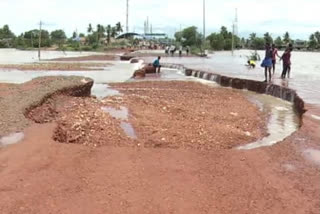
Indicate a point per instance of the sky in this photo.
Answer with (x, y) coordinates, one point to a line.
(299, 17)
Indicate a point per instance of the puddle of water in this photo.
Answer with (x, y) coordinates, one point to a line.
(281, 108)
(313, 155)
(315, 117)
(103, 90)
(11, 139)
(121, 114)
(117, 72)
(128, 129)
(282, 121)
(289, 167)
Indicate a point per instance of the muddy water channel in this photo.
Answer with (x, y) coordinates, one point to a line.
(282, 119)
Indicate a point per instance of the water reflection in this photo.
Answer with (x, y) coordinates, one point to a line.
(313, 155)
(103, 90)
(11, 139)
(128, 129)
(122, 114)
(282, 121)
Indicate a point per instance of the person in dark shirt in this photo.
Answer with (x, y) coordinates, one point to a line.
(267, 62)
(156, 64)
(286, 61)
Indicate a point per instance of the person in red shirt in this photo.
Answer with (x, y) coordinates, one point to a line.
(274, 55)
(286, 59)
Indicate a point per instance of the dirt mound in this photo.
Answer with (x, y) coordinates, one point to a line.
(16, 101)
(190, 115)
(84, 122)
(80, 120)
(174, 115)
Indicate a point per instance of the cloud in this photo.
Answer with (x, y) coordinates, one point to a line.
(296, 16)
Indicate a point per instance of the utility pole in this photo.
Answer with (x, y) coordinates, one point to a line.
(204, 25)
(204, 19)
(236, 23)
(148, 28)
(234, 29)
(39, 54)
(232, 45)
(32, 39)
(127, 19)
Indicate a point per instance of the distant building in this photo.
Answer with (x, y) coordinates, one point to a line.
(152, 36)
(130, 35)
(300, 44)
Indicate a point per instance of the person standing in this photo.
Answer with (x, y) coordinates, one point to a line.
(274, 57)
(167, 50)
(180, 51)
(267, 62)
(286, 61)
(156, 64)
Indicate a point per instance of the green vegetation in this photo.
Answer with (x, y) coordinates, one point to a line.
(314, 41)
(96, 39)
(7, 37)
(190, 37)
(103, 37)
(223, 40)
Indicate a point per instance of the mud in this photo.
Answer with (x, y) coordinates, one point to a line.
(181, 162)
(157, 114)
(181, 158)
(16, 101)
(190, 115)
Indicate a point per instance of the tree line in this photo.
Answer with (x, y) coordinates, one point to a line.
(100, 36)
(92, 39)
(222, 40)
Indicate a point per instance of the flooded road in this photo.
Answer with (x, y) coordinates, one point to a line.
(305, 71)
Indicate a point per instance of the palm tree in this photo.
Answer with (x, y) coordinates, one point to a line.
(252, 36)
(90, 29)
(286, 38)
(100, 31)
(317, 35)
(268, 38)
(119, 27)
(114, 32)
(108, 30)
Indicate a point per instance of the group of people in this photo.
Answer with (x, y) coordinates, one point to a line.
(172, 49)
(270, 60)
